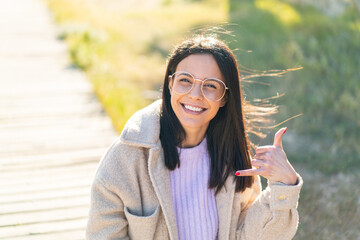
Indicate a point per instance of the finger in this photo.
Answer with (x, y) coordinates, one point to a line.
(263, 149)
(248, 172)
(262, 156)
(278, 138)
(257, 163)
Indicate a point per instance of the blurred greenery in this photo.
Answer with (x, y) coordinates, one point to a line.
(122, 47)
(123, 50)
(283, 35)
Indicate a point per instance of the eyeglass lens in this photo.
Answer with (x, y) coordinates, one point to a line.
(213, 89)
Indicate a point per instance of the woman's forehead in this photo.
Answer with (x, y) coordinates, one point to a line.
(200, 66)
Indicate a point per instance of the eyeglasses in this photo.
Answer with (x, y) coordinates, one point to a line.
(213, 89)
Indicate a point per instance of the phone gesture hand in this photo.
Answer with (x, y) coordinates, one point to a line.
(271, 162)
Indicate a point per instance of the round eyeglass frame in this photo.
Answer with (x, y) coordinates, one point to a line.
(202, 83)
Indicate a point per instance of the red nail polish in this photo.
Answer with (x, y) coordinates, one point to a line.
(237, 174)
(284, 131)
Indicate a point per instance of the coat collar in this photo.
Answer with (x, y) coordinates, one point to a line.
(143, 130)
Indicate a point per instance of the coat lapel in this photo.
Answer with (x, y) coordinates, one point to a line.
(224, 203)
(143, 130)
(160, 177)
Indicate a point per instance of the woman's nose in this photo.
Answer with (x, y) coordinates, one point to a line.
(196, 90)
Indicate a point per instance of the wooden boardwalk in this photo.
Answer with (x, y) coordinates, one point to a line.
(53, 131)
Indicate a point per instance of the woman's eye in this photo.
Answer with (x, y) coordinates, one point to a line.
(185, 80)
(209, 85)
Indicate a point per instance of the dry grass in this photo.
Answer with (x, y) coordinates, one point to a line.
(329, 206)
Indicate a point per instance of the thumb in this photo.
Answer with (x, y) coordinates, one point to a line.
(278, 137)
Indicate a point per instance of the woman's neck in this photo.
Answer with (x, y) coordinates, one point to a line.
(193, 138)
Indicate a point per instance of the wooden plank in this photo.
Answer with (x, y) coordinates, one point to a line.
(54, 132)
(54, 142)
(43, 205)
(46, 167)
(69, 110)
(15, 148)
(48, 183)
(51, 215)
(42, 228)
(39, 122)
(48, 176)
(45, 118)
(53, 193)
(75, 234)
(52, 156)
(21, 101)
(50, 164)
(25, 188)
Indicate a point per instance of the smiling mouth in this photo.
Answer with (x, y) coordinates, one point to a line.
(193, 109)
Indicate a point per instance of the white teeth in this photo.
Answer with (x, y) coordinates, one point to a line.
(195, 109)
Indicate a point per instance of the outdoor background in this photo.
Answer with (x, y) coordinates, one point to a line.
(122, 46)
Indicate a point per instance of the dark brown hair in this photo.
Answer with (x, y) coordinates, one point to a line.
(227, 141)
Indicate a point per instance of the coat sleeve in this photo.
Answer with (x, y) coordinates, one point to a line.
(270, 214)
(106, 217)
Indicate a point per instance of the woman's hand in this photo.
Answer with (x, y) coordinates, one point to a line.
(271, 162)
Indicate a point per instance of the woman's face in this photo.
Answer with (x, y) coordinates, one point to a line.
(192, 109)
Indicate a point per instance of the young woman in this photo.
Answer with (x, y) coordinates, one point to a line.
(182, 169)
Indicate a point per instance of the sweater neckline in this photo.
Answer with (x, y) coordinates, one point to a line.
(193, 152)
(197, 147)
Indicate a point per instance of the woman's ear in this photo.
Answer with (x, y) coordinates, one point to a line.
(224, 100)
(170, 84)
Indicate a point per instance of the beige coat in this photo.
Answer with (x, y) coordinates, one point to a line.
(131, 195)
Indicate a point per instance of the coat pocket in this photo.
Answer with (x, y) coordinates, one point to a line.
(142, 227)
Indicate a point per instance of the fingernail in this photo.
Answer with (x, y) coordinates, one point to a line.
(285, 131)
(237, 174)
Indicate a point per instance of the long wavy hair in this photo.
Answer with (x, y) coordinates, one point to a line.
(227, 141)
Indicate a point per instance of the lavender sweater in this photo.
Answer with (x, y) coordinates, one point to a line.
(194, 203)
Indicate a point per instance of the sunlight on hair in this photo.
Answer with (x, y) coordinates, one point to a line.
(279, 124)
(282, 11)
(251, 73)
(258, 111)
